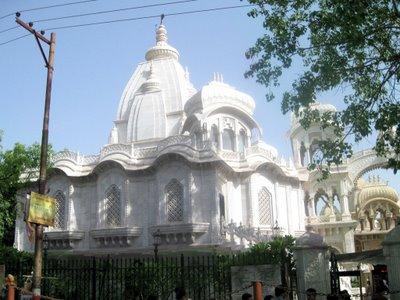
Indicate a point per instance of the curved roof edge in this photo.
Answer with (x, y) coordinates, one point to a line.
(135, 159)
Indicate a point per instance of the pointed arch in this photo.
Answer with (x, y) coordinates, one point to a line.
(113, 206)
(60, 213)
(214, 136)
(242, 142)
(265, 207)
(228, 140)
(174, 201)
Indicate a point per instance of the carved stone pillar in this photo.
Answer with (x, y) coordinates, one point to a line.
(312, 263)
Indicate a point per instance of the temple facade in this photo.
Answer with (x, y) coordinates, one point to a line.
(189, 168)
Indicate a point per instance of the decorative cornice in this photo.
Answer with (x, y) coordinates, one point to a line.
(115, 237)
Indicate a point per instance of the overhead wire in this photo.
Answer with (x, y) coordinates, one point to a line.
(113, 10)
(47, 7)
(101, 12)
(148, 17)
(15, 39)
(134, 19)
(8, 29)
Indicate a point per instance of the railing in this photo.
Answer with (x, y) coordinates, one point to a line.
(203, 276)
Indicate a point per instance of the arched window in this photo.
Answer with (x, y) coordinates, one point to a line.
(315, 152)
(265, 207)
(174, 201)
(199, 139)
(214, 136)
(303, 151)
(336, 204)
(60, 217)
(255, 135)
(221, 206)
(242, 141)
(113, 206)
(321, 204)
(228, 139)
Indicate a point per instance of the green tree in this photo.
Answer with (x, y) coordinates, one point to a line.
(352, 44)
(18, 169)
(280, 251)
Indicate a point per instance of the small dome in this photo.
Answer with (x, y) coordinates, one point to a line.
(216, 94)
(323, 107)
(375, 188)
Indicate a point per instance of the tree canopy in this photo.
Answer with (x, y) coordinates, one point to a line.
(351, 44)
(18, 167)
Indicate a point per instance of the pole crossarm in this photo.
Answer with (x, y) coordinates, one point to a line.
(33, 31)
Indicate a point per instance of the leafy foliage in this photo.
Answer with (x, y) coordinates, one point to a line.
(18, 168)
(280, 251)
(349, 44)
(11, 256)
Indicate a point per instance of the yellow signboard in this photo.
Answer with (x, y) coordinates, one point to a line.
(42, 209)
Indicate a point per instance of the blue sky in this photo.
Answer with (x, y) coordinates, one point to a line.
(93, 65)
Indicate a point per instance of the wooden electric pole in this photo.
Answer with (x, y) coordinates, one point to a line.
(49, 64)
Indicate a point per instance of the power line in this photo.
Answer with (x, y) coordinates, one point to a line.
(113, 10)
(148, 17)
(101, 12)
(8, 29)
(47, 7)
(135, 19)
(14, 39)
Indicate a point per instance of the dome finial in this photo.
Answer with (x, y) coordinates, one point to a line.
(161, 49)
(161, 33)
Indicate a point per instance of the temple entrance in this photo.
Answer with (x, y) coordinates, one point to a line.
(367, 271)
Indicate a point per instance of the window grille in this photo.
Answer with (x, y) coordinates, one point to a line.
(59, 217)
(265, 207)
(174, 199)
(113, 206)
(228, 139)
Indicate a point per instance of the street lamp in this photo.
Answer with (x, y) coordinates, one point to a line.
(156, 242)
(276, 229)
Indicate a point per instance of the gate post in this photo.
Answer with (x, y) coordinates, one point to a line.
(10, 287)
(391, 252)
(257, 290)
(312, 264)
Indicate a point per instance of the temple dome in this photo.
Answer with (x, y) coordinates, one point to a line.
(375, 189)
(321, 107)
(217, 94)
(151, 106)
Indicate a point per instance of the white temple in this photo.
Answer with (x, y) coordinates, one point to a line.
(188, 166)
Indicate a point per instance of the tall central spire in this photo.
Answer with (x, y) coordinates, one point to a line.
(161, 49)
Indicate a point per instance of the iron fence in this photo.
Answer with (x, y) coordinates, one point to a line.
(120, 278)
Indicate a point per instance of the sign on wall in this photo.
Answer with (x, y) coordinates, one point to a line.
(42, 209)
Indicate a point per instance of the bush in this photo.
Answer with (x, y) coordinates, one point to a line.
(10, 256)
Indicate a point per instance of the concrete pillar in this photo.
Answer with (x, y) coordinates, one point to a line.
(312, 263)
(391, 251)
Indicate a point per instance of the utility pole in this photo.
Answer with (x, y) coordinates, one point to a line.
(49, 64)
